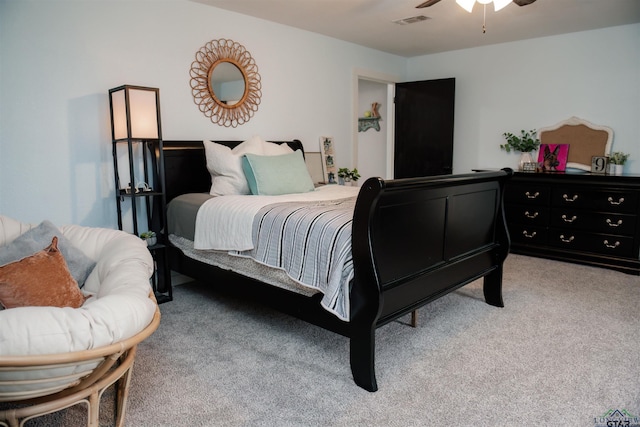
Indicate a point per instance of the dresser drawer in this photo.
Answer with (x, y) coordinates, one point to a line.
(527, 215)
(591, 242)
(595, 200)
(528, 235)
(598, 222)
(527, 194)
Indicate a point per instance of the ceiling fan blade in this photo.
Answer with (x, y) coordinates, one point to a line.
(429, 3)
(523, 2)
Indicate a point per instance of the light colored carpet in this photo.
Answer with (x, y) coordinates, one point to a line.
(564, 350)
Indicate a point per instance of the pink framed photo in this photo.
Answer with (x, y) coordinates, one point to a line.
(553, 157)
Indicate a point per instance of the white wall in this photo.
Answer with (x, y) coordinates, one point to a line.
(594, 75)
(59, 59)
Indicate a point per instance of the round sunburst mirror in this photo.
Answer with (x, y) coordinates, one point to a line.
(225, 82)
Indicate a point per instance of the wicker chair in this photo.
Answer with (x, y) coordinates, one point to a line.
(32, 385)
(104, 367)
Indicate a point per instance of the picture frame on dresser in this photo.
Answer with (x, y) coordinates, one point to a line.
(599, 164)
(553, 157)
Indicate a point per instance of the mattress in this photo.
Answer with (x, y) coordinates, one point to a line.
(306, 236)
(182, 212)
(181, 219)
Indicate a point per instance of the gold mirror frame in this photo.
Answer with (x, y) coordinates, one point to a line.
(207, 58)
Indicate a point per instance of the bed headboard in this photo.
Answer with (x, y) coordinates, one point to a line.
(185, 166)
(584, 138)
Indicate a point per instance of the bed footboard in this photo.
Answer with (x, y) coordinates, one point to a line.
(415, 240)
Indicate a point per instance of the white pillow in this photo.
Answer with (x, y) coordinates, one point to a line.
(271, 149)
(225, 166)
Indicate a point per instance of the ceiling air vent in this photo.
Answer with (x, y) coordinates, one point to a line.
(411, 20)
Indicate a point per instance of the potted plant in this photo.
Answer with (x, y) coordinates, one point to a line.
(617, 159)
(149, 237)
(347, 175)
(525, 144)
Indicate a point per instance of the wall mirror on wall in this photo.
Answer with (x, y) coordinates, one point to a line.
(225, 82)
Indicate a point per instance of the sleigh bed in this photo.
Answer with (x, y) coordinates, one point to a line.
(411, 241)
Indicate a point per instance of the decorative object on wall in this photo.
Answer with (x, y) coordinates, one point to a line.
(553, 158)
(328, 160)
(525, 144)
(374, 109)
(586, 140)
(366, 123)
(225, 83)
(371, 119)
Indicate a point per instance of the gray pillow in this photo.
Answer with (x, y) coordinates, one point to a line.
(39, 238)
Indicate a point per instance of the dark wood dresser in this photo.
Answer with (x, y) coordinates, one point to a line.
(584, 218)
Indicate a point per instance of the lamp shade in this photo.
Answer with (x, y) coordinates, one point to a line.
(135, 112)
(468, 4)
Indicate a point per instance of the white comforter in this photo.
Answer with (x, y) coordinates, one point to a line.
(225, 222)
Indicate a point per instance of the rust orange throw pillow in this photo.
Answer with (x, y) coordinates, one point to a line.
(42, 279)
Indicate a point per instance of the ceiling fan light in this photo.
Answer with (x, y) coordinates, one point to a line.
(484, 1)
(499, 4)
(466, 4)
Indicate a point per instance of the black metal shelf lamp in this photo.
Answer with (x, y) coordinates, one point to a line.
(135, 119)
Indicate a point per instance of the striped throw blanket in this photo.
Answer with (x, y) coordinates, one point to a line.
(312, 243)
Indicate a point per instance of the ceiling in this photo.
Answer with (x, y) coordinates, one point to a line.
(449, 27)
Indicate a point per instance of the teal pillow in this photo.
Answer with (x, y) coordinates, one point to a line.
(275, 175)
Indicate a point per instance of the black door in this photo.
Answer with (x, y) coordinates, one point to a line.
(424, 128)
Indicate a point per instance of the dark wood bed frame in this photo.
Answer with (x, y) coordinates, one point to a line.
(413, 241)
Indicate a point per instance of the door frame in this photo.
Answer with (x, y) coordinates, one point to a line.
(390, 80)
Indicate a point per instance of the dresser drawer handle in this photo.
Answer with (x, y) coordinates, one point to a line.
(566, 240)
(570, 199)
(565, 219)
(532, 196)
(531, 216)
(619, 202)
(615, 245)
(612, 224)
(529, 236)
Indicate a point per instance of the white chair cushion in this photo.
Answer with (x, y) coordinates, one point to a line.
(118, 309)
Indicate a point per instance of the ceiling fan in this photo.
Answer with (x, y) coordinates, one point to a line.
(468, 6)
(471, 2)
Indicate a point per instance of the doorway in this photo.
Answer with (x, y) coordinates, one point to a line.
(416, 127)
(372, 149)
(372, 132)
